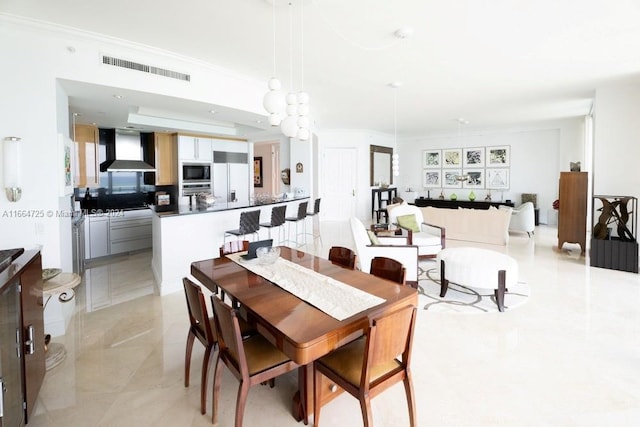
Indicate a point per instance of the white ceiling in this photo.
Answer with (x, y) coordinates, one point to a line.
(493, 62)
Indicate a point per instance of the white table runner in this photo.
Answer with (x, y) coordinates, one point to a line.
(335, 298)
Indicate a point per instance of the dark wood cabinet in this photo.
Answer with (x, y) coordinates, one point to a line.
(572, 211)
(24, 274)
(455, 204)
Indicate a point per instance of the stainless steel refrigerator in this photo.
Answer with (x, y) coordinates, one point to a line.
(231, 177)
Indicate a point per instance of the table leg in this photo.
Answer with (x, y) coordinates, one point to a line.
(444, 283)
(303, 398)
(499, 293)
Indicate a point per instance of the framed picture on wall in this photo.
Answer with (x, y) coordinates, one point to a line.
(473, 157)
(432, 159)
(497, 178)
(449, 178)
(499, 156)
(431, 178)
(452, 158)
(475, 180)
(257, 172)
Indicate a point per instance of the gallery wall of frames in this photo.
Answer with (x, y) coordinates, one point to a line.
(472, 168)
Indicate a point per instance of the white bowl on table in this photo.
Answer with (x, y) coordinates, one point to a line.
(267, 254)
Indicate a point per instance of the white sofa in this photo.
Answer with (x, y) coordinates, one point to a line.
(390, 247)
(472, 225)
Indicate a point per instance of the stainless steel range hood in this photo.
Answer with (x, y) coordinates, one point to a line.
(127, 155)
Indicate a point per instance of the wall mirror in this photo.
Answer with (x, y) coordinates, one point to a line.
(380, 165)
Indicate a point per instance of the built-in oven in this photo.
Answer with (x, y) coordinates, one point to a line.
(196, 173)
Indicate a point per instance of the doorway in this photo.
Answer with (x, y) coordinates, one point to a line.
(339, 183)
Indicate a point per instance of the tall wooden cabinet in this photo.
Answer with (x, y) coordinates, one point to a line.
(572, 212)
(87, 167)
(161, 152)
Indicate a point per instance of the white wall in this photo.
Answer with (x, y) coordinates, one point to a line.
(538, 154)
(34, 107)
(360, 140)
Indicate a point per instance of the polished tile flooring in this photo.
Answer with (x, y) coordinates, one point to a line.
(570, 356)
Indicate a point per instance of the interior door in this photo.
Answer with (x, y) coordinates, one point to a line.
(339, 183)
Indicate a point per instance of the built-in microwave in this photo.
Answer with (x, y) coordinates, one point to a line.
(196, 172)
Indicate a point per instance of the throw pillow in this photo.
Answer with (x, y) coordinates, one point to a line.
(373, 237)
(409, 222)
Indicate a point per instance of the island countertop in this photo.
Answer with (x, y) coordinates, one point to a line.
(173, 210)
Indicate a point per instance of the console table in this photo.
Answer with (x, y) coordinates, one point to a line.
(379, 203)
(455, 204)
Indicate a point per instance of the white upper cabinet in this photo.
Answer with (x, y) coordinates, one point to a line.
(195, 148)
(230, 146)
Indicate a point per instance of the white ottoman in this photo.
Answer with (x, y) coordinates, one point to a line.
(478, 268)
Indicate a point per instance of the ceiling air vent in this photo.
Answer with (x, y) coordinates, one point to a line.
(117, 62)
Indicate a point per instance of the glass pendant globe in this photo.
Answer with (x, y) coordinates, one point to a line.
(292, 109)
(291, 98)
(274, 84)
(303, 122)
(303, 98)
(273, 101)
(303, 109)
(275, 119)
(303, 134)
(289, 126)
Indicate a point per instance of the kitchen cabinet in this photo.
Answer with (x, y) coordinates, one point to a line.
(22, 353)
(230, 146)
(97, 236)
(117, 232)
(130, 231)
(87, 165)
(195, 148)
(162, 153)
(572, 211)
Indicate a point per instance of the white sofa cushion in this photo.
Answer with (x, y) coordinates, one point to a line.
(429, 239)
(472, 225)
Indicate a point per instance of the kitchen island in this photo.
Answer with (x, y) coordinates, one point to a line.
(183, 234)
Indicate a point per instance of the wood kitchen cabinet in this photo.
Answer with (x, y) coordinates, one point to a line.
(22, 356)
(572, 211)
(162, 153)
(87, 167)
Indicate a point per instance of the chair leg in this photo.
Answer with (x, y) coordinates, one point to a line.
(243, 391)
(187, 357)
(365, 406)
(316, 397)
(408, 389)
(203, 379)
(217, 373)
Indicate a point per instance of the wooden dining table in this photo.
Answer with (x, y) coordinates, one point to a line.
(301, 331)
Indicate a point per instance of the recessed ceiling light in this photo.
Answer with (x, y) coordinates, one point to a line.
(77, 114)
(118, 96)
(395, 85)
(212, 111)
(404, 32)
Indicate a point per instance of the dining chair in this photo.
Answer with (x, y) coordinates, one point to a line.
(387, 268)
(278, 214)
(249, 224)
(300, 217)
(315, 221)
(201, 327)
(232, 247)
(369, 365)
(252, 360)
(344, 257)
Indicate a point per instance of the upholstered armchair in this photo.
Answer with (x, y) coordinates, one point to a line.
(429, 238)
(391, 247)
(523, 219)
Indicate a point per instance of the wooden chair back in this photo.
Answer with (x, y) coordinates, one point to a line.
(229, 337)
(389, 269)
(198, 313)
(234, 246)
(344, 257)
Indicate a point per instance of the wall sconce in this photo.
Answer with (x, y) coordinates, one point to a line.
(12, 165)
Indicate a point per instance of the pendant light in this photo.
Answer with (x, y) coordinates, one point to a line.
(273, 100)
(395, 158)
(289, 125)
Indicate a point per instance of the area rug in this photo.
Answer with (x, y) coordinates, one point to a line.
(465, 299)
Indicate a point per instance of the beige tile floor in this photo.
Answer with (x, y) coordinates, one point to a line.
(570, 356)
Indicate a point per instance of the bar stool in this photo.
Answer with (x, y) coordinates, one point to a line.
(249, 224)
(302, 216)
(315, 218)
(278, 214)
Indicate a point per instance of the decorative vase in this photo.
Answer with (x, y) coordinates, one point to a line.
(453, 196)
(472, 196)
(441, 196)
